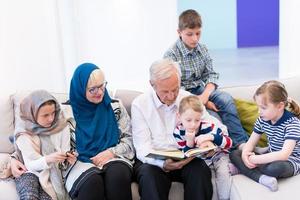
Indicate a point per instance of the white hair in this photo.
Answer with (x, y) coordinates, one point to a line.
(163, 69)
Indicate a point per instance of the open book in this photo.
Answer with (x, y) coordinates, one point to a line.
(178, 154)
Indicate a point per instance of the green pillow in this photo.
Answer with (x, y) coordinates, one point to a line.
(248, 113)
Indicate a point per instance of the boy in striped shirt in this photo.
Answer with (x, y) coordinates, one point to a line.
(192, 132)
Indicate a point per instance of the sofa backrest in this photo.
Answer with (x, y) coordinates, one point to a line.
(6, 124)
(246, 92)
(126, 96)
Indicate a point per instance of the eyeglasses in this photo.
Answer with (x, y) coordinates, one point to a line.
(94, 90)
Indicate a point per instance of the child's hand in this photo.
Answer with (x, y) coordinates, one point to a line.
(245, 158)
(211, 106)
(55, 157)
(17, 168)
(71, 157)
(205, 145)
(190, 138)
(203, 138)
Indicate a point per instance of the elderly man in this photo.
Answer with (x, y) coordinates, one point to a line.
(153, 123)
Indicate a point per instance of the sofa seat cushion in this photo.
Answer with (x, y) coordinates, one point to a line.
(8, 189)
(247, 189)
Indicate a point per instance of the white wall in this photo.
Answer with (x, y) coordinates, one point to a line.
(42, 41)
(289, 40)
(30, 48)
(123, 37)
(219, 20)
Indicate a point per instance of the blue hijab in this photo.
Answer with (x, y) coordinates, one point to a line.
(96, 125)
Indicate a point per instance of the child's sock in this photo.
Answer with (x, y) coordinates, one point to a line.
(269, 181)
(233, 170)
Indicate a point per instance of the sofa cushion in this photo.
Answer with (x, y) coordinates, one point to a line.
(6, 124)
(248, 113)
(245, 188)
(8, 189)
(5, 171)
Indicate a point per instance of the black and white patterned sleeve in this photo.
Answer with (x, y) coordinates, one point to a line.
(124, 148)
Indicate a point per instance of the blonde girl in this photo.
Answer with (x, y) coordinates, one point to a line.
(279, 119)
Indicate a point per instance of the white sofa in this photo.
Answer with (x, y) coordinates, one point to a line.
(242, 187)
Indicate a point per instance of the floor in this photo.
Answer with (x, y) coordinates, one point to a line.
(245, 66)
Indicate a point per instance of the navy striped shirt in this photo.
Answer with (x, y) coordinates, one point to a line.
(287, 127)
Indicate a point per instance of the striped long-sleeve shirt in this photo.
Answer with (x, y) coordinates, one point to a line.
(221, 138)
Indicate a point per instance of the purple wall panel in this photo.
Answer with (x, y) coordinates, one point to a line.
(257, 23)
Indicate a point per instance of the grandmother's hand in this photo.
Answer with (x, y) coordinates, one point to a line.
(103, 157)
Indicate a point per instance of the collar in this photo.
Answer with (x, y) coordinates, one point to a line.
(184, 50)
(158, 104)
(286, 115)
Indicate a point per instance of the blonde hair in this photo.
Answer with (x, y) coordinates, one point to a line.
(275, 92)
(163, 69)
(190, 102)
(95, 76)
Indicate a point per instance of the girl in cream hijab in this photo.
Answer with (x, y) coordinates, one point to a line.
(44, 144)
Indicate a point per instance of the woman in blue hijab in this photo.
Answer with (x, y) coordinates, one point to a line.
(103, 140)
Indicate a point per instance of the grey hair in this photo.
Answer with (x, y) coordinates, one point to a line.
(163, 69)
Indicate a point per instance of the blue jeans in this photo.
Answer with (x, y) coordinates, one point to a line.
(228, 114)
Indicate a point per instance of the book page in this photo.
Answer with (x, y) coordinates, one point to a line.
(199, 151)
(165, 154)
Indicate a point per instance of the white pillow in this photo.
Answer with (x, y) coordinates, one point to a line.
(5, 170)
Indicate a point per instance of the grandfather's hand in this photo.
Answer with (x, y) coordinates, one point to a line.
(170, 165)
(17, 168)
(103, 157)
